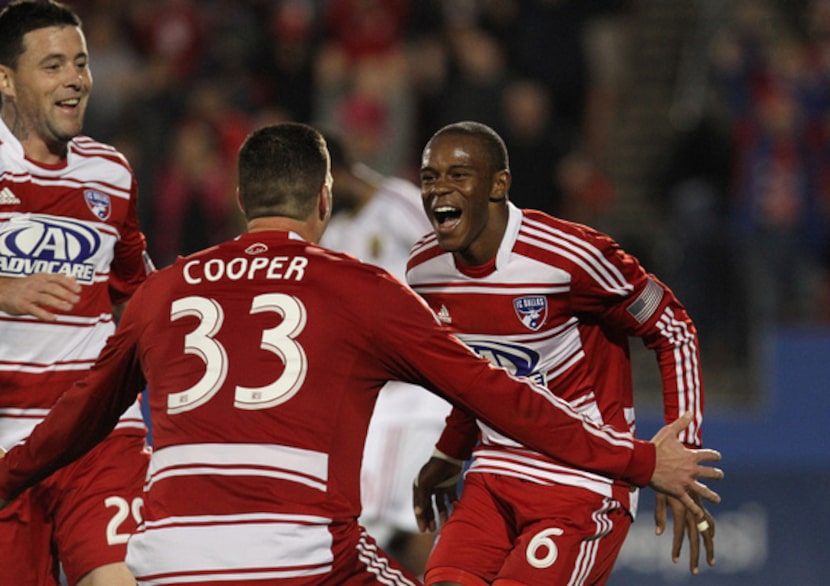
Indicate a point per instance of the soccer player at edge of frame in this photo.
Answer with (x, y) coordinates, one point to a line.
(261, 389)
(72, 254)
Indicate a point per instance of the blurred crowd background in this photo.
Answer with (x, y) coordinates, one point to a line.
(696, 133)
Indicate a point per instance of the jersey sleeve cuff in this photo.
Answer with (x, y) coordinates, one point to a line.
(640, 468)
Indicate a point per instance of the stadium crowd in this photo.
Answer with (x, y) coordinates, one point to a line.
(179, 84)
(744, 203)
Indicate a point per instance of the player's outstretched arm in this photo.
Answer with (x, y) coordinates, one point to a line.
(438, 480)
(38, 295)
(678, 468)
(685, 523)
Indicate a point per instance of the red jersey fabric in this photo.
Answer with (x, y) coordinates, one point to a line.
(558, 305)
(77, 218)
(264, 357)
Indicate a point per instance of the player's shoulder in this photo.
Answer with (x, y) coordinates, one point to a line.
(548, 226)
(426, 248)
(346, 264)
(86, 147)
(267, 255)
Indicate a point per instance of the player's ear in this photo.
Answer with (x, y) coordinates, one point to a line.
(6, 81)
(239, 201)
(324, 203)
(501, 186)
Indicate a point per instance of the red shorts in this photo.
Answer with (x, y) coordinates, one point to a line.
(81, 515)
(505, 530)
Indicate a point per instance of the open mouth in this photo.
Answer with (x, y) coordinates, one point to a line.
(447, 217)
(70, 103)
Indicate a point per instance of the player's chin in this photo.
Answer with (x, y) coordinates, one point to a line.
(451, 242)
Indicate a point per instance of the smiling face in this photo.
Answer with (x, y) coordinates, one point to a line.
(464, 195)
(45, 95)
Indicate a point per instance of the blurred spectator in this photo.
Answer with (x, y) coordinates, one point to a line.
(546, 43)
(362, 61)
(779, 206)
(586, 191)
(699, 263)
(115, 65)
(477, 82)
(548, 74)
(172, 30)
(288, 54)
(193, 198)
(536, 144)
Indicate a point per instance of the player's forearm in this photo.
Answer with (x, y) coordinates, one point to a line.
(459, 436)
(682, 379)
(536, 418)
(82, 417)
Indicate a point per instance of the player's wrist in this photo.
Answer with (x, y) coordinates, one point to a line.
(436, 453)
(642, 464)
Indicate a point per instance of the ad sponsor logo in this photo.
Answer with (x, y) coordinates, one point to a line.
(34, 244)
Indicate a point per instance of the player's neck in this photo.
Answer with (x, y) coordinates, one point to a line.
(282, 224)
(35, 148)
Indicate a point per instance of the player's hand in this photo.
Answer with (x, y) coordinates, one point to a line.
(437, 479)
(686, 523)
(38, 295)
(678, 468)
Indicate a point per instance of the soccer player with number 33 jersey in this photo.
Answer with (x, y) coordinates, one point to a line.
(263, 357)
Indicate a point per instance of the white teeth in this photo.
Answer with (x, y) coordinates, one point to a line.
(72, 102)
(445, 209)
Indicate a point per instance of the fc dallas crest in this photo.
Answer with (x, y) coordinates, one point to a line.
(531, 310)
(98, 203)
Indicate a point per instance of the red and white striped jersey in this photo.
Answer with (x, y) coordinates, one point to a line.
(557, 305)
(78, 218)
(264, 357)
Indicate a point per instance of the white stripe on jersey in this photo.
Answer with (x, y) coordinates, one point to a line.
(582, 254)
(101, 227)
(86, 146)
(530, 466)
(378, 564)
(305, 467)
(686, 369)
(494, 288)
(230, 548)
(427, 242)
(66, 344)
(17, 424)
(119, 191)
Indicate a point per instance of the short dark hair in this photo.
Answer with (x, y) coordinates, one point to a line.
(496, 149)
(282, 168)
(23, 16)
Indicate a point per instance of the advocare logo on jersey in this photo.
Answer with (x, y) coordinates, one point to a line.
(515, 359)
(531, 310)
(35, 243)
